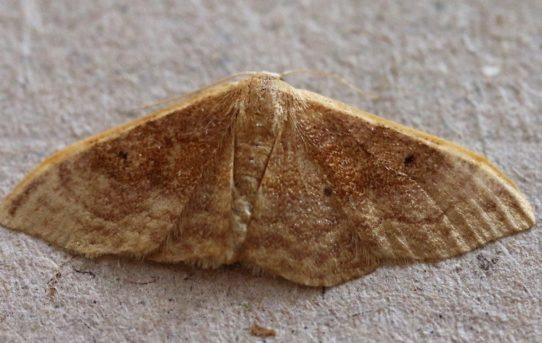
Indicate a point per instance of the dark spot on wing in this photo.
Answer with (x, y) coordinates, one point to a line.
(409, 160)
(123, 155)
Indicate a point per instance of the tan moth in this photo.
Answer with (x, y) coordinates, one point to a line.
(263, 174)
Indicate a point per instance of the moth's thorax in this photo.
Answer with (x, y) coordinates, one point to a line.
(259, 122)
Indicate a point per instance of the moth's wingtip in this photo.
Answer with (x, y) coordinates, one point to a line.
(9, 217)
(519, 204)
(526, 209)
(531, 219)
(5, 216)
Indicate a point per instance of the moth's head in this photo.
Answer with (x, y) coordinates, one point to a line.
(265, 81)
(248, 75)
(268, 75)
(259, 80)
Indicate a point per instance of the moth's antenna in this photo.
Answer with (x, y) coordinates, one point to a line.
(337, 77)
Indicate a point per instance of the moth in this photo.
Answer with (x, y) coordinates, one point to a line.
(276, 178)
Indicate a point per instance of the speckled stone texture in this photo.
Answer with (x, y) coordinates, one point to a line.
(468, 71)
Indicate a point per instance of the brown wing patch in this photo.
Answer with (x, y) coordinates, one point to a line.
(123, 195)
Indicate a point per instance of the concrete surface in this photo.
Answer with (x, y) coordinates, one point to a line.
(466, 70)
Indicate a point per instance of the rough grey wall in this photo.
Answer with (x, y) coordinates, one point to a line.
(469, 71)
